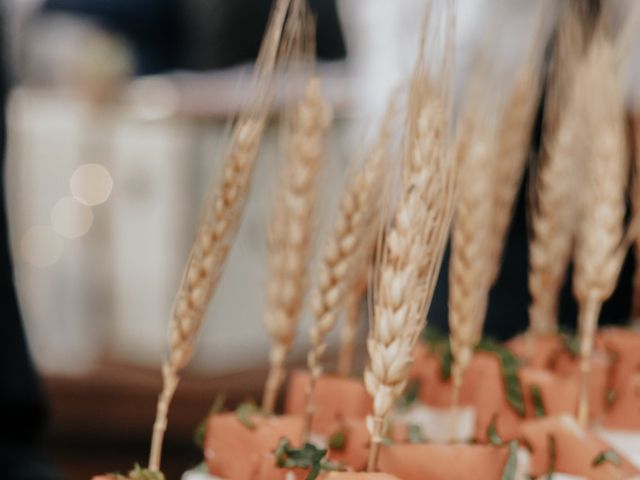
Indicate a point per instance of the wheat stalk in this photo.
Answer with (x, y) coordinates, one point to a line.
(355, 230)
(470, 262)
(410, 252)
(220, 220)
(512, 152)
(554, 208)
(598, 255)
(346, 249)
(403, 287)
(291, 231)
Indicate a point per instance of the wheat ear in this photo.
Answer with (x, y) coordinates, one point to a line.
(221, 217)
(357, 218)
(291, 231)
(411, 249)
(598, 256)
(346, 248)
(554, 206)
(512, 153)
(469, 268)
(403, 288)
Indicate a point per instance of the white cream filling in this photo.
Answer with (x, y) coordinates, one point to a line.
(435, 423)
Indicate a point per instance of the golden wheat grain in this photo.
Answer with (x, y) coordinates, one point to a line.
(555, 192)
(291, 231)
(346, 249)
(409, 259)
(220, 220)
(600, 231)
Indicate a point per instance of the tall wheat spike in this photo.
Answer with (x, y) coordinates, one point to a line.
(598, 255)
(410, 252)
(357, 220)
(291, 231)
(346, 249)
(470, 263)
(554, 209)
(512, 152)
(221, 217)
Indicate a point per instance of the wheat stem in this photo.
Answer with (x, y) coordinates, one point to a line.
(599, 254)
(291, 231)
(220, 220)
(345, 254)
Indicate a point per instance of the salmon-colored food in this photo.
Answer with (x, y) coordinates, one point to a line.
(334, 398)
(536, 351)
(235, 451)
(624, 410)
(575, 450)
(360, 476)
(623, 346)
(557, 394)
(443, 462)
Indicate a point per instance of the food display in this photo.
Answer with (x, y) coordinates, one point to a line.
(431, 404)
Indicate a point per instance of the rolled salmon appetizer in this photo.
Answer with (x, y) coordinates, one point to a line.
(234, 448)
(443, 462)
(575, 451)
(334, 398)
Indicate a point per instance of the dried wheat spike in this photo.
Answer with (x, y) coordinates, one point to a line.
(598, 256)
(357, 218)
(512, 153)
(346, 248)
(221, 217)
(291, 231)
(469, 268)
(406, 272)
(554, 209)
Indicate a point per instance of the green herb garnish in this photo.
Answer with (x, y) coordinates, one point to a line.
(510, 468)
(509, 364)
(610, 456)
(538, 404)
(218, 405)
(309, 456)
(139, 473)
(612, 396)
(492, 432)
(338, 440)
(551, 445)
(245, 411)
(415, 434)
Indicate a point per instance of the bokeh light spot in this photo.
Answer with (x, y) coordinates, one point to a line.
(91, 184)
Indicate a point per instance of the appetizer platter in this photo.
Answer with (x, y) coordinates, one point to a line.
(432, 404)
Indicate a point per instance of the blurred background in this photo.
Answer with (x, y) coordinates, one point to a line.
(116, 115)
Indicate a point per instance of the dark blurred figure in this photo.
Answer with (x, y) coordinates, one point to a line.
(197, 34)
(22, 408)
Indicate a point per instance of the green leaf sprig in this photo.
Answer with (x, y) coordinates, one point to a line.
(492, 432)
(217, 407)
(245, 411)
(511, 467)
(538, 404)
(309, 456)
(610, 456)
